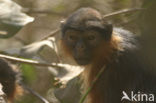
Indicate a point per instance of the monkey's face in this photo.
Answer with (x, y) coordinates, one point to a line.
(82, 44)
(82, 33)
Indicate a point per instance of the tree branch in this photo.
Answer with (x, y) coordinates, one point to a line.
(54, 32)
(34, 93)
(124, 11)
(33, 62)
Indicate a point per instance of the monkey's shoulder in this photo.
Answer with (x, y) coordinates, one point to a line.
(129, 41)
(130, 55)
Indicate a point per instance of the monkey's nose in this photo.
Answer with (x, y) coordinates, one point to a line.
(80, 46)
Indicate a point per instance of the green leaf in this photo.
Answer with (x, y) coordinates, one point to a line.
(28, 72)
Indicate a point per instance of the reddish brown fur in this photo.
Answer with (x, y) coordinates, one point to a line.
(102, 57)
(65, 49)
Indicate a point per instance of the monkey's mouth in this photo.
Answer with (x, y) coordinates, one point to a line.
(82, 61)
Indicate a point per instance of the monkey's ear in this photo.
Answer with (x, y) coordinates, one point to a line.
(108, 30)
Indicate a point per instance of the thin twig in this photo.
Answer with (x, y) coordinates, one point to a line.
(34, 62)
(34, 93)
(92, 85)
(124, 11)
(54, 32)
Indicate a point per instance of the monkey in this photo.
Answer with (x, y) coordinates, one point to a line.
(94, 43)
(8, 79)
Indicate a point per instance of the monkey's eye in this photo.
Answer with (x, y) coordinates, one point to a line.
(91, 37)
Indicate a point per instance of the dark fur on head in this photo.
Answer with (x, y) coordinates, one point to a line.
(87, 18)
